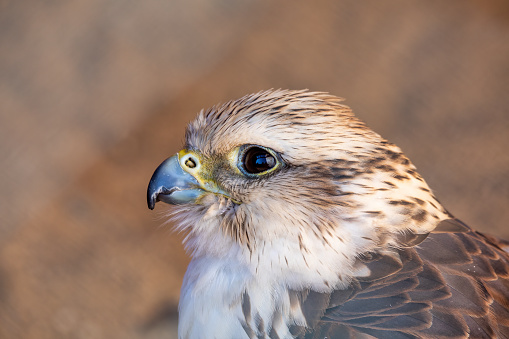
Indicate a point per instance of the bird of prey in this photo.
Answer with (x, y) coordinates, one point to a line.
(303, 223)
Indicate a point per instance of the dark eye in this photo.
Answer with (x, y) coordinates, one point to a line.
(257, 160)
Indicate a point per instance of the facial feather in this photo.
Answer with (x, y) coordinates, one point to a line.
(342, 188)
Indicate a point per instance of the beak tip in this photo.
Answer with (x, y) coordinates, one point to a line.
(153, 191)
(151, 200)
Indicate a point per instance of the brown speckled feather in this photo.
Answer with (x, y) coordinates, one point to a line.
(302, 222)
(452, 285)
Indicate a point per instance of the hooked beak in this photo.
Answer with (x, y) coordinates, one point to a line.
(172, 185)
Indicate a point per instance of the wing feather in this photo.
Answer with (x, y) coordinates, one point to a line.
(452, 283)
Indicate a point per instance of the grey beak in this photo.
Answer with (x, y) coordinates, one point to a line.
(172, 185)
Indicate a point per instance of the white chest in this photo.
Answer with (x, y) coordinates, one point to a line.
(213, 304)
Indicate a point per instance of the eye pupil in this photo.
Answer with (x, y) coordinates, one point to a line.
(257, 160)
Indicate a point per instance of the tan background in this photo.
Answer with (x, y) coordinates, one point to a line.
(95, 94)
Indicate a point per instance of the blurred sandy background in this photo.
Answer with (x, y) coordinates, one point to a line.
(95, 94)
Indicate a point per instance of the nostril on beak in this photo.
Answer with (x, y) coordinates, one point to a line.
(190, 162)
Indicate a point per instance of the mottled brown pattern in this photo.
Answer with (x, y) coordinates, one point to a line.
(344, 224)
(213, 134)
(452, 284)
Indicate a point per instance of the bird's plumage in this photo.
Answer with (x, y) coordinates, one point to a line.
(330, 232)
(453, 284)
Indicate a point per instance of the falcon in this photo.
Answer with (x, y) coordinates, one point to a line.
(304, 223)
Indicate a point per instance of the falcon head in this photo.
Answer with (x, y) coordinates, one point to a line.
(291, 185)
